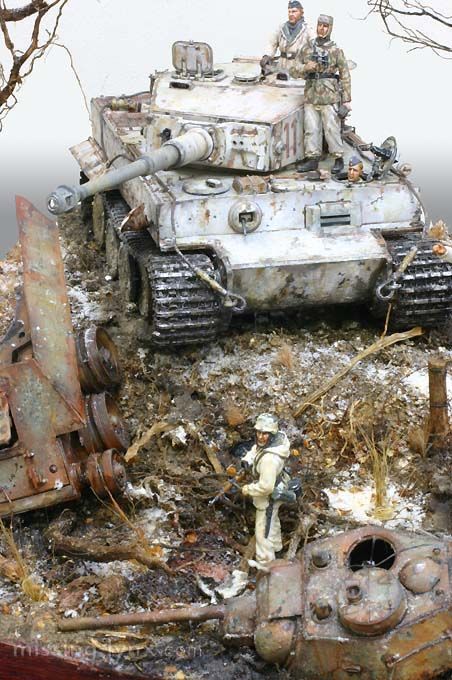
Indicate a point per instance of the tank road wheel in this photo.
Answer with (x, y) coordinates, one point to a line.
(105, 428)
(128, 274)
(115, 211)
(423, 296)
(105, 473)
(112, 244)
(180, 308)
(98, 360)
(99, 220)
(145, 292)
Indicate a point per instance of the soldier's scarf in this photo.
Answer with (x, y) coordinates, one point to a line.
(324, 42)
(291, 31)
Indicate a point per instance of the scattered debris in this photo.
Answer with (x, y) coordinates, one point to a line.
(105, 547)
(377, 346)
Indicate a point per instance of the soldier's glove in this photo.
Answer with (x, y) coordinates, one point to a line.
(245, 490)
(311, 66)
(343, 110)
(244, 464)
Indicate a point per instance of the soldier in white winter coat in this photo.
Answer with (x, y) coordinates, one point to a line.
(266, 460)
(288, 41)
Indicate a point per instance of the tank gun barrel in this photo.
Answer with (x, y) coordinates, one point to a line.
(163, 616)
(194, 145)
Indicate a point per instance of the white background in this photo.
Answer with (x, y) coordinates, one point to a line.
(116, 44)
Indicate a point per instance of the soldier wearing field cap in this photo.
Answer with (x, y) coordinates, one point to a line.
(355, 172)
(288, 40)
(327, 96)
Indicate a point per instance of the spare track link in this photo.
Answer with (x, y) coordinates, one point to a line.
(425, 294)
(184, 310)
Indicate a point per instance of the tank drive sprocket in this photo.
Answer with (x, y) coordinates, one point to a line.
(423, 293)
(181, 309)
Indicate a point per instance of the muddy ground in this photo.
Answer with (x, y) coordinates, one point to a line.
(208, 398)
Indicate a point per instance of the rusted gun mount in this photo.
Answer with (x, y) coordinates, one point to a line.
(369, 603)
(53, 438)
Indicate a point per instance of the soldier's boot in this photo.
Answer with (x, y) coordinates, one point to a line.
(338, 166)
(308, 164)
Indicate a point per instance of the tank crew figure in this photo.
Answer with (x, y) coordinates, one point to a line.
(266, 460)
(327, 94)
(355, 173)
(289, 39)
(355, 170)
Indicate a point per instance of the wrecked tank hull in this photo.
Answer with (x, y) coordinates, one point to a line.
(369, 603)
(60, 429)
(270, 237)
(387, 622)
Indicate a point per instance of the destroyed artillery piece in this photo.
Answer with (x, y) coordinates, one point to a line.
(53, 439)
(211, 216)
(370, 603)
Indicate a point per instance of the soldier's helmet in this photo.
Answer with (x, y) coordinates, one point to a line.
(266, 422)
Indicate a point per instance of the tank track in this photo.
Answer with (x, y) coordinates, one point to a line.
(425, 294)
(181, 309)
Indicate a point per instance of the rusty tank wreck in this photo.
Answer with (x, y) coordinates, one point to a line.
(370, 603)
(60, 428)
(202, 213)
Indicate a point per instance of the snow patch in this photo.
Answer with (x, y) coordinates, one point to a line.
(358, 503)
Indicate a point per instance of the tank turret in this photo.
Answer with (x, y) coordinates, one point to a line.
(209, 196)
(370, 603)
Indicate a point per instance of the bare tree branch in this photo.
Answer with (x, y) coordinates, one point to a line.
(416, 23)
(23, 60)
(22, 12)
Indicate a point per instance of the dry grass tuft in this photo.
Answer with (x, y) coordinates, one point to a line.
(18, 569)
(234, 415)
(285, 358)
(418, 438)
(438, 231)
(371, 438)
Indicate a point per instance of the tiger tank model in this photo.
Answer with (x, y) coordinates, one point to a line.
(202, 212)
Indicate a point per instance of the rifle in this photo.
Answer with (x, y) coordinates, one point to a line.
(233, 482)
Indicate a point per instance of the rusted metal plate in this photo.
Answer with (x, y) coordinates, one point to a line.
(372, 602)
(23, 476)
(17, 335)
(39, 414)
(38, 411)
(5, 424)
(47, 303)
(279, 595)
(35, 501)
